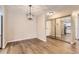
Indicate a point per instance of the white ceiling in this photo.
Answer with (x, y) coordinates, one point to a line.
(43, 9)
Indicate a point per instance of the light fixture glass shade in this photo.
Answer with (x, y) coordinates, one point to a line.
(50, 13)
(29, 15)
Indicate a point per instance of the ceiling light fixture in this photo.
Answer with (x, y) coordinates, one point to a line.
(50, 13)
(29, 15)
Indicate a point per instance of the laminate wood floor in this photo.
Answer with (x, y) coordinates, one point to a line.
(36, 46)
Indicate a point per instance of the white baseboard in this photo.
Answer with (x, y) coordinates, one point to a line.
(4, 45)
(14, 40)
(44, 40)
(72, 43)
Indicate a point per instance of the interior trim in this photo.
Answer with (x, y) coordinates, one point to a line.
(1, 32)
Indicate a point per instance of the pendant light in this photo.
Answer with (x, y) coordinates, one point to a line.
(29, 15)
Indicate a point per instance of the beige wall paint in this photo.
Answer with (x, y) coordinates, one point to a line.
(5, 38)
(19, 27)
(0, 23)
(56, 15)
(41, 27)
(75, 17)
(0, 31)
(73, 28)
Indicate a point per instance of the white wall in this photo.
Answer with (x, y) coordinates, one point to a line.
(41, 29)
(18, 26)
(77, 34)
(0, 31)
(4, 11)
(57, 15)
(0, 23)
(76, 20)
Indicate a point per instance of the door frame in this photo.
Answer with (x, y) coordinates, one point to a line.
(1, 32)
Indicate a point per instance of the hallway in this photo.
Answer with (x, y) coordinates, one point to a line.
(37, 46)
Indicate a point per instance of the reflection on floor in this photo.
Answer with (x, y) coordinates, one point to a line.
(66, 37)
(37, 46)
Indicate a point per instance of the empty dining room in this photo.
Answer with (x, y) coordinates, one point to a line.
(39, 29)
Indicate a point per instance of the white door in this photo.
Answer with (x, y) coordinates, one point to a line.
(0, 31)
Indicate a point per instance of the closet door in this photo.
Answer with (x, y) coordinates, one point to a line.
(53, 28)
(58, 28)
